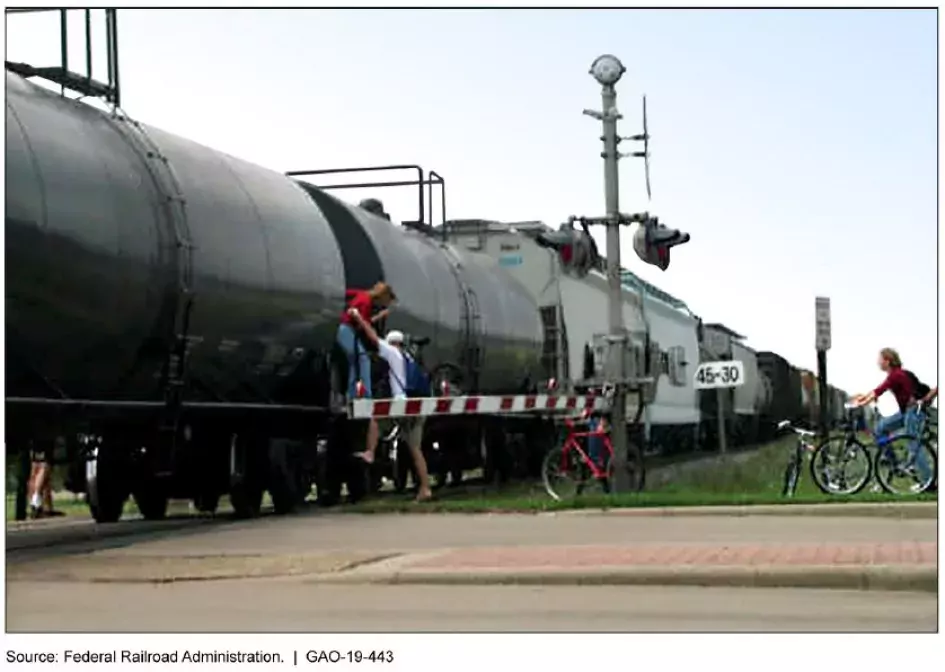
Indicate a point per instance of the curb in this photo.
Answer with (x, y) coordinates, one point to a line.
(911, 510)
(873, 577)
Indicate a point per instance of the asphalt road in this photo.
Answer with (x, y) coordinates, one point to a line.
(283, 605)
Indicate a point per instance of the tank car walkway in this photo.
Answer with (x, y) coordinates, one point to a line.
(451, 572)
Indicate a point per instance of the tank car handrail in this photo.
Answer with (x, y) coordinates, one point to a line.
(332, 171)
(136, 403)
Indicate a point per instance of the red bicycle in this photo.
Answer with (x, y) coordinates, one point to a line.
(586, 456)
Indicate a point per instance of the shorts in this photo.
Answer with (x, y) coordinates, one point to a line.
(39, 455)
(411, 429)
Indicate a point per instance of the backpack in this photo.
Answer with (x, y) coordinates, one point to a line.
(919, 389)
(418, 382)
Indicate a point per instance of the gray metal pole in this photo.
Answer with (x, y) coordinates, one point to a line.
(647, 417)
(618, 429)
(720, 394)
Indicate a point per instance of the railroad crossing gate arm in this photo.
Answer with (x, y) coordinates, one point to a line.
(537, 404)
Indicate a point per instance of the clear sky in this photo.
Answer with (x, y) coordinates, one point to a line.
(798, 147)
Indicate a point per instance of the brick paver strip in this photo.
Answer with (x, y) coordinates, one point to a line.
(784, 555)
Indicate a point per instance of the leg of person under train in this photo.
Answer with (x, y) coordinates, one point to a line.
(40, 483)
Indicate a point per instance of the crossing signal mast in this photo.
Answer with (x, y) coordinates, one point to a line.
(652, 243)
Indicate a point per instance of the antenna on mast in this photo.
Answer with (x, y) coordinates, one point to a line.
(645, 154)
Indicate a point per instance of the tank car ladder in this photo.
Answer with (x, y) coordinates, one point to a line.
(470, 359)
(180, 298)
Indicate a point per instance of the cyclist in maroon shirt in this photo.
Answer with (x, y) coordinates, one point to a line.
(900, 384)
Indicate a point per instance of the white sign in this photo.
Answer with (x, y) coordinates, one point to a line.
(712, 375)
(822, 318)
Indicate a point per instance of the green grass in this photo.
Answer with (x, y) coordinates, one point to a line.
(750, 478)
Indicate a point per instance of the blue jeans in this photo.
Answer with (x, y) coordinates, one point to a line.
(359, 362)
(595, 444)
(913, 423)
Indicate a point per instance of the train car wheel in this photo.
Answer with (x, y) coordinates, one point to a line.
(207, 502)
(151, 501)
(286, 486)
(104, 491)
(246, 498)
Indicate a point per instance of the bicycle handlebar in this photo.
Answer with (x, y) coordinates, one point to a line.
(786, 424)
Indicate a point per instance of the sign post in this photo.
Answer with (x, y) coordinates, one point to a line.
(720, 376)
(822, 340)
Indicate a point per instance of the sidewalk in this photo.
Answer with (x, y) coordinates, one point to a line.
(866, 566)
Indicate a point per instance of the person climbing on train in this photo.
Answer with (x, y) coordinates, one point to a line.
(402, 374)
(372, 306)
(903, 385)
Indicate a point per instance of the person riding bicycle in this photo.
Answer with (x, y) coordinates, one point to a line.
(902, 384)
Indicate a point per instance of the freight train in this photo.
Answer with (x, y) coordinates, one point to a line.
(171, 312)
(668, 342)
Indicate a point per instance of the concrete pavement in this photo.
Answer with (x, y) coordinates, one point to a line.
(309, 558)
(286, 605)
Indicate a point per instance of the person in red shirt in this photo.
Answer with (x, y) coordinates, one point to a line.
(353, 343)
(349, 337)
(897, 382)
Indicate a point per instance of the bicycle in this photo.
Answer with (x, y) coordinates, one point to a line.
(572, 463)
(887, 462)
(804, 444)
(896, 459)
(842, 465)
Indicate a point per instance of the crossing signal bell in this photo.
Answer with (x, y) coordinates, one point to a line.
(576, 249)
(652, 242)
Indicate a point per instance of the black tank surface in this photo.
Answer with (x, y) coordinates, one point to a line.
(476, 316)
(98, 271)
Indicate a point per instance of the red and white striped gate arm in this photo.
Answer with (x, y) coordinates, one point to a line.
(475, 405)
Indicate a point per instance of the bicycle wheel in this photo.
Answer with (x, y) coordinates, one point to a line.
(841, 466)
(901, 472)
(564, 473)
(792, 473)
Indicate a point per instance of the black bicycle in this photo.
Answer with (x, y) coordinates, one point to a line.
(803, 445)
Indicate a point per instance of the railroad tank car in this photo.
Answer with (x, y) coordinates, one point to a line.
(159, 288)
(97, 270)
(480, 322)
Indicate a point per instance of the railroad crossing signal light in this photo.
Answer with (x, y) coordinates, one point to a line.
(652, 242)
(576, 249)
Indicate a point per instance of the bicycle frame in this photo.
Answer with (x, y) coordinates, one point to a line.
(573, 443)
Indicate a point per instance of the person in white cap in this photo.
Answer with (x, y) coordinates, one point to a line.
(391, 349)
